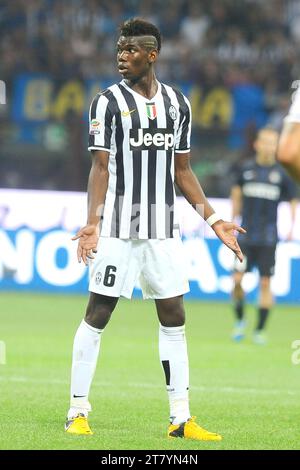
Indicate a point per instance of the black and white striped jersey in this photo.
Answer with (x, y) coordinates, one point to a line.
(142, 137)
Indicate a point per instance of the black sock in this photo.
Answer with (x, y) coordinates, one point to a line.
(262, 318)
(239, 309)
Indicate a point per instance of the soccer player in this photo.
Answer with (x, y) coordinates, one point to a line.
(260, 186)
(140, 143)
(289, 142)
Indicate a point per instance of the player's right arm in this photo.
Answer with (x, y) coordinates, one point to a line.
(289, 149)
(101, 124)
(88, 235)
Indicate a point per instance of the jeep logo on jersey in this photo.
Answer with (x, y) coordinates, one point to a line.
(151, 139)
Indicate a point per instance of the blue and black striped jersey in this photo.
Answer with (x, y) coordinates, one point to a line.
(263, 187)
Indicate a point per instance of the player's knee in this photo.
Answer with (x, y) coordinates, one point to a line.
(238, 292)
(172, 321)
(99, 311)
(173, 317)
(265, 283)
(179, 318)
(98, 318)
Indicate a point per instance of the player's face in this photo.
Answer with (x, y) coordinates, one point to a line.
(266, 146)
(134, 61)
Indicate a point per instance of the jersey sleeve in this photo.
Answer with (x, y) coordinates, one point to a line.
(294, 112)
(183, 136)
(100, 124)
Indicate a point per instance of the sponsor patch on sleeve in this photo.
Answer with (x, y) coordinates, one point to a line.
(95, 127)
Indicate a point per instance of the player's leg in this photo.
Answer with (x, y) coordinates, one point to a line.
(99, 310)
(86, 349)
(174, 359)
(238, 297)
(164, 279)
(265, 304)
(112, 274)
(265, 264)
(173, 356)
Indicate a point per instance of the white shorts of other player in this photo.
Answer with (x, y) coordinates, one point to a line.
(158, 265)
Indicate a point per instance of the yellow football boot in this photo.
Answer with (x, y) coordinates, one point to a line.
(78, 425)
(191, 430)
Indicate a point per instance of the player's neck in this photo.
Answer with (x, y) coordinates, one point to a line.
(145, 86)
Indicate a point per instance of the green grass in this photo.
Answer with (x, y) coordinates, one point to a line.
(248, 393)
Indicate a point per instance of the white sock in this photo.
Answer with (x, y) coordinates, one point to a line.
(174, 359)
(85, 354)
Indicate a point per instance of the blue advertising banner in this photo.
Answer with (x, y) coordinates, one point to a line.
(37, 253)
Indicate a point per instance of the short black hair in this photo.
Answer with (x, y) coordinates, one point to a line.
(140, 27)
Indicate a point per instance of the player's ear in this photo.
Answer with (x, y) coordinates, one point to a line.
(152, 56)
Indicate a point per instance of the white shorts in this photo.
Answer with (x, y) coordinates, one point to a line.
(158, 265)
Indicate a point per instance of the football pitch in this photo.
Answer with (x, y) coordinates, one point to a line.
(248, 393)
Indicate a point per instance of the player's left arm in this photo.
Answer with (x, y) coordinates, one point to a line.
(288, 153)
(191, 189)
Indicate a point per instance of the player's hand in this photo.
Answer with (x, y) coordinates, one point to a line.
(225, 231)
(87, 237)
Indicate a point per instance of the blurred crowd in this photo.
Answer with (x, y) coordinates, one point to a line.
(208, 42)
(233, 39)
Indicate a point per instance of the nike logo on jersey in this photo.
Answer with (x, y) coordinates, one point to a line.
(151, 139)
(127, 113)
(79, 396)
